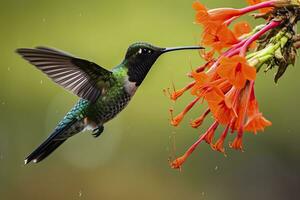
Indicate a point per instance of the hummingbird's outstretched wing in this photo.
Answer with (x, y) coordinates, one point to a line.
(84, 78)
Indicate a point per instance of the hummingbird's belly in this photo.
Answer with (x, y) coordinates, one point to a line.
(109, 106)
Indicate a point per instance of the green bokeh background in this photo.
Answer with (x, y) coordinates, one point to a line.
(130, 159)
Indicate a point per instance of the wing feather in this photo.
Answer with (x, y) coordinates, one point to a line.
(75, 74)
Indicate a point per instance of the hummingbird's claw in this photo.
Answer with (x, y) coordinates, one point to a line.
(97, 134)
(97, 131)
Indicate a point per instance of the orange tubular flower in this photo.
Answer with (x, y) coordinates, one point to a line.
(176, 164)
(221, 14)
(236, 70)
(237, 143)
(200, 77)
(241, 28)
(216, 33)
(197, 122)
(211, 132)
(219, 145)
(256, 121)
(218, 36)
(238, 122)
(178, 93)
(207, 56)
(213, 95)
(176, 120)
(222, 113)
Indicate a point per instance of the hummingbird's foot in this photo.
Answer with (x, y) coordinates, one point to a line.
(97, 131)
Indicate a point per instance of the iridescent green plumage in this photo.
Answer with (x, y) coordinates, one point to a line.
(103, 109)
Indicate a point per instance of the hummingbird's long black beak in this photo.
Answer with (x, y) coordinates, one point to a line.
(181, 48)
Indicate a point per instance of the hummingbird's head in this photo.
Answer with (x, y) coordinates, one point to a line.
(141, 56)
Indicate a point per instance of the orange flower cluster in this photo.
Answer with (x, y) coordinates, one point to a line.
(226, 84)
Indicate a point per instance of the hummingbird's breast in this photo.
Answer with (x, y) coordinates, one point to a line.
(113, 101)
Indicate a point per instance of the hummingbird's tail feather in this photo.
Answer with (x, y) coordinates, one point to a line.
(58, 137)
(41, 155)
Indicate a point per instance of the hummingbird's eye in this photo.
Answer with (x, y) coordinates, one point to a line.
(144, 51)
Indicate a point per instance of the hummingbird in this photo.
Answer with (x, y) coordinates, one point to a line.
(103, 93)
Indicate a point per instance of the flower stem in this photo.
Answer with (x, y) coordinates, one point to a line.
(258, 6)
(271, 25)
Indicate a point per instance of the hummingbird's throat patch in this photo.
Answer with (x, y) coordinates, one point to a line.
(130, 87)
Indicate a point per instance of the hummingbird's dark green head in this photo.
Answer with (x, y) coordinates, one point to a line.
(141, 56)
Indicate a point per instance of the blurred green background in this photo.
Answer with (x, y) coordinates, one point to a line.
(130, 160)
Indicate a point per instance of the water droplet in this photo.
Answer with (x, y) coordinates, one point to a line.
(44, 19)
(203, 193)
(216, 168)
(80, 193)
(41, 82)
